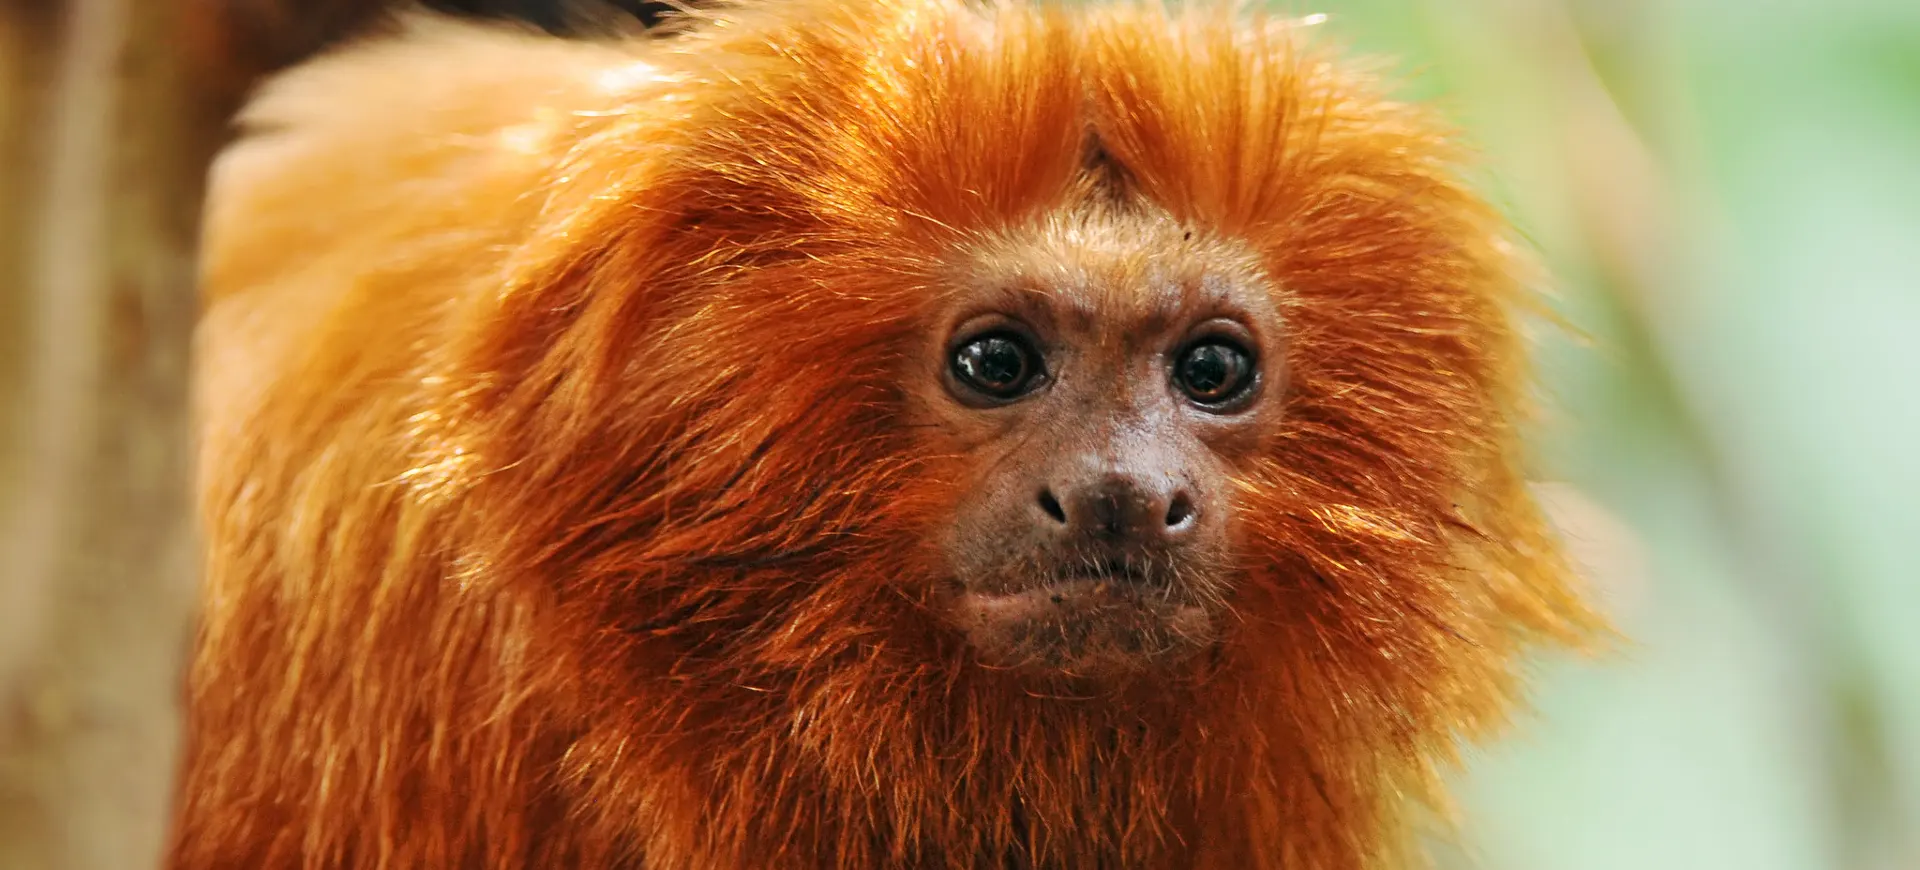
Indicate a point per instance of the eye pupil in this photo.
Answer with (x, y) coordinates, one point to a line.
(1208, 369)
(1214, 373)
(998, 365)
(999, 361)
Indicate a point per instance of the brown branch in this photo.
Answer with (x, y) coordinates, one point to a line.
(103, 148)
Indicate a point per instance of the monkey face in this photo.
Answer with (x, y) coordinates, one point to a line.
(1105, 372)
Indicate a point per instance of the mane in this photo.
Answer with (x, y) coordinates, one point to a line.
(569, 522)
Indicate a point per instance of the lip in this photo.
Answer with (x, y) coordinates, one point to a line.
(1107, 570)
(1087, 622)
(1110, 582)
(1092, 590)
(1127, 576)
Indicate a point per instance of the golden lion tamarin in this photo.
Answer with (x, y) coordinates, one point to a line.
(905, 433)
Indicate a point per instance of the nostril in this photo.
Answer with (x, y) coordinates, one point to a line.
(1052, 506)
(1179, 511)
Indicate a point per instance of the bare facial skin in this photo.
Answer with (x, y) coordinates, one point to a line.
(1106, 369)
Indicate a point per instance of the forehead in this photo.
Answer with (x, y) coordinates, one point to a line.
(1135, 269)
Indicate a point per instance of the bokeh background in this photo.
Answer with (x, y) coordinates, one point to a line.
(1727, 194)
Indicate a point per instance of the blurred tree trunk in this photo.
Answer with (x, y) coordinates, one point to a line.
(103, 149)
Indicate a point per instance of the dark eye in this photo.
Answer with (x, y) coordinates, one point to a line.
(1214, 372)
(1000, 365)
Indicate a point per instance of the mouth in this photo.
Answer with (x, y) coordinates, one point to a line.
(1116, 571)
(1088, 619)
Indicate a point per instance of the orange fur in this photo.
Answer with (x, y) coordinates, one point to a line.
(561, 512)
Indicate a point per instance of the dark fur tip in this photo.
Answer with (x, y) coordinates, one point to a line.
(567, 17)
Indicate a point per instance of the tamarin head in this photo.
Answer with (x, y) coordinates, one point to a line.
(1019, 430)
(1106, 369)
(1110, 343)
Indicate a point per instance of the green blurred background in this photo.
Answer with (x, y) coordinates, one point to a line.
(1727, 194)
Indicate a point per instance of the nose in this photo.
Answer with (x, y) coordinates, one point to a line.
(1118, 508)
